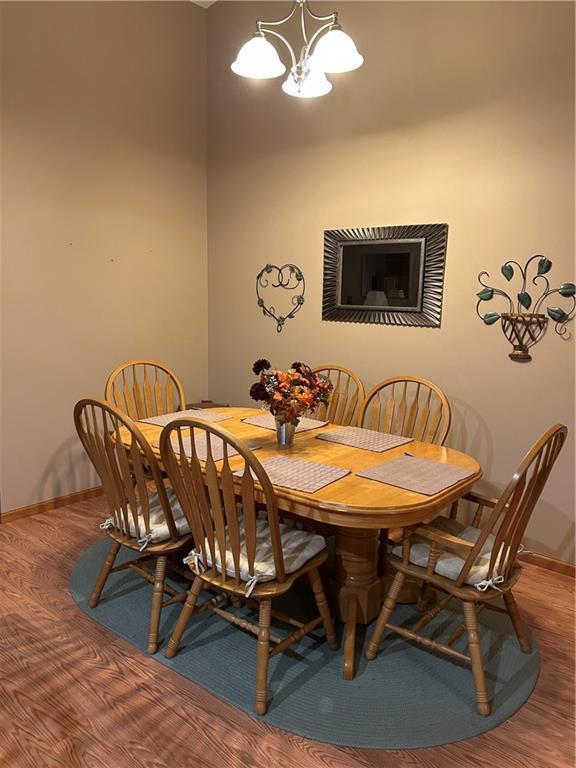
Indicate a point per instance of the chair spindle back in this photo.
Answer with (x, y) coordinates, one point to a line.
(144, 388)
(126, 466)
(216, 506)
(508, 519)
(407, 406)
(346, 397)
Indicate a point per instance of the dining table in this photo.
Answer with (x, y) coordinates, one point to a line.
(353, 508)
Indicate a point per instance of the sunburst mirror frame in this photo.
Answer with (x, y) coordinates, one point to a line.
(433, 239)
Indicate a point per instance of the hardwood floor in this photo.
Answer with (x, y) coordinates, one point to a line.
(72, 694)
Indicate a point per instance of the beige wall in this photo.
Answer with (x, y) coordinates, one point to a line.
(104, 212)
(463, 113)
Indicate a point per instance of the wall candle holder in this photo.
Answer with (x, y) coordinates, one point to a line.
(521, 327)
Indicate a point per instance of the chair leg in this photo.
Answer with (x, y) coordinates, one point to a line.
(323, 609)
(157, 598)
(422, 601)
(518, 623)
(426, 595)
(262, 657)
(184, 618)
(385, 613)
(107, 566)
(382, 551)
(471, 620)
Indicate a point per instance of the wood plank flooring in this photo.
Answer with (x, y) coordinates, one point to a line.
(73, 695)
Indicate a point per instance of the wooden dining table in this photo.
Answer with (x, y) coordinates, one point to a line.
(354, 508)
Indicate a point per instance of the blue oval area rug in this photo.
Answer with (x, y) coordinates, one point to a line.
(406, 698)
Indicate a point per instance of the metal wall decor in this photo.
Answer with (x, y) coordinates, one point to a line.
(385, 275)
(288, 277)
(524, 328)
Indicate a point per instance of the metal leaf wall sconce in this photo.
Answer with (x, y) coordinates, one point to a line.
(524, 328)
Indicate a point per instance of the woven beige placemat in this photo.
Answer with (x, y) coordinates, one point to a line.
(267, 421)
(415, 474)
(368, 439)
(300, 475)
(202, 414)
(216, 445)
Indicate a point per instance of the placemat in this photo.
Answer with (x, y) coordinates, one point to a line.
(300, 475)
(368, 439)
(192, 413)
(415, 474)
(216, 444)
(267, 421)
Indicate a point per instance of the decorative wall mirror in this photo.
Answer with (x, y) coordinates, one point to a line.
(390, 275)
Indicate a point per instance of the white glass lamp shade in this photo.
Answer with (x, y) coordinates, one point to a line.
(336, 52)
(315, 84)
(258, 59)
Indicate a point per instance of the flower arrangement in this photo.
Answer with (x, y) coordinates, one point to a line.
(289, 393)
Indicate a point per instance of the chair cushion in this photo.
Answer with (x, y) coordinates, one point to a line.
(158, 526)
(449, 564)
(298, 547)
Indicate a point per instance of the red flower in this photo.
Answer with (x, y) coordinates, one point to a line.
(261, 365)
(258, 391)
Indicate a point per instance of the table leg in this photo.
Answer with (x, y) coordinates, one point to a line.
(356, 588)
(356, 573)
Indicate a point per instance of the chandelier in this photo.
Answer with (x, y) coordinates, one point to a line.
(329, 50)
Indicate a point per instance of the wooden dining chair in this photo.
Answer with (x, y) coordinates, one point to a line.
(346, 397)
(240, 552)
(143, 515)
(145, 388)
(476, 564)
(410, 407)
(407, 406)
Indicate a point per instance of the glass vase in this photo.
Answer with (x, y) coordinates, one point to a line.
(285, 433)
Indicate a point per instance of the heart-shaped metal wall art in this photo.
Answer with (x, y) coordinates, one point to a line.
(289, 278)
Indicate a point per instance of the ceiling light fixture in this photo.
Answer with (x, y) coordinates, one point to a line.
(329, 50)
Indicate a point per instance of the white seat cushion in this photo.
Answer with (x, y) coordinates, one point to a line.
(158, 526)
(298, 547)
(449, 565)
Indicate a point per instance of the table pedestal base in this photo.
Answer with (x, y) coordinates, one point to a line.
(356, 587)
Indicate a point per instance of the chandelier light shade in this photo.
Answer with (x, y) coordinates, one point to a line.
(314, 84)
(336, 52)
(258, 59)
(327, 50)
